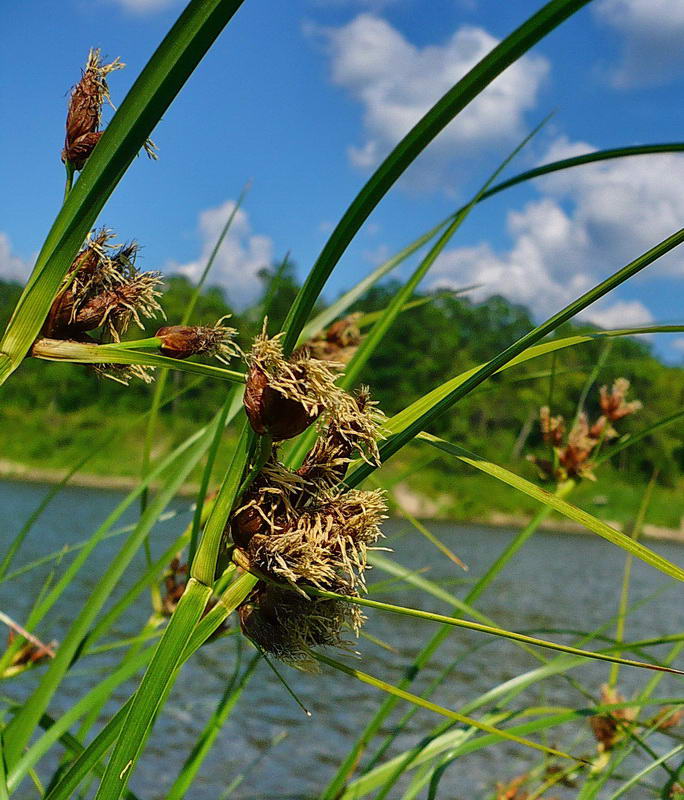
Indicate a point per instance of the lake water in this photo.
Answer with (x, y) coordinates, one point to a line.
(558, 581)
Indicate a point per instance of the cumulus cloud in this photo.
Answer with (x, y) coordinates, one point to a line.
(623, 314)
(587, 223)
(145, 6)
(12, 268)
(240, 257)
(374, 5)
(397, 82)
(652, 32)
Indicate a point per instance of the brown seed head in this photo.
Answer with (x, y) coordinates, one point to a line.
(103, 288)
(353, 430)
(325, 544)
(613, 404)
(84, 116)
(287, 625)
(338, 343)
(284, 396)
(608, 728)
(552, 428)
(183, 341)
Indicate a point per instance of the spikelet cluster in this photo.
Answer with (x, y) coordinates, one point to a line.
(338, 342)
(299, 527)
(84, 115)
(183, 341)
(572, 453)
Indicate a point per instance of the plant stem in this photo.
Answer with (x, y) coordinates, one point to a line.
(69, 182)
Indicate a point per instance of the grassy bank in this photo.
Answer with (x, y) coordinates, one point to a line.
(46, 443)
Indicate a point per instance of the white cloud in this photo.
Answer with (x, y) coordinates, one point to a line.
(652, 32)
(589, 221)
(145, 6)
(12, 268)
(397, 82)
(374, 5)
(240, 257)
(622, 314)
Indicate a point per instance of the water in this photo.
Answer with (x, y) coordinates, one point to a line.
(558, 582)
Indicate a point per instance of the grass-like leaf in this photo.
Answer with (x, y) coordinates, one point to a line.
(408, 423)
(476, 626)
(183, 460)
(194, 761)
(558, 504)
(169, 652)
(336, 309)
(103, 689)
(445, 712)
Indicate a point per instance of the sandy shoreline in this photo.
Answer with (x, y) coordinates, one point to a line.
(420, 507)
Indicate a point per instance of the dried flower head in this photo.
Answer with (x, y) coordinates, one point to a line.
(175, 581)
(325, 544)
(552, 428)
(287, 625)
(339, 342)
(574, 457)
(284, 396)
(270, 503)
(513, 789)
(84, 116)
(613, 404)
(183, 341)
(608, 728)
(298, 527)
(103, 289)
(32, 652)
(353, 430)
(668, 717)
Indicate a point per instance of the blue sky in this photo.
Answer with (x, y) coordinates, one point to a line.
(304, 97)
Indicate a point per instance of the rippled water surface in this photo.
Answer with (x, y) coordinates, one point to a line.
(556, 583)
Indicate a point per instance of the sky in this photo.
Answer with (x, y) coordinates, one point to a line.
(302, 100)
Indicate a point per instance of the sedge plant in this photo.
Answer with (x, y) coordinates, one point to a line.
(284, 540)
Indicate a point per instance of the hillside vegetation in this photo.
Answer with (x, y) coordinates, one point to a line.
(54, 414)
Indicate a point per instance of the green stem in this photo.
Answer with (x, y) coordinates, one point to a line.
(69, 181)
(425, 655)
(624, 589)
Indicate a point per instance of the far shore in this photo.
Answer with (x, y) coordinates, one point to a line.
(419, 506)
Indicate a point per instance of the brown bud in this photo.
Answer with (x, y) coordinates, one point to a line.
(76, 152)
(246, 524)
(269, 411)
(85, 110)
(180, 341)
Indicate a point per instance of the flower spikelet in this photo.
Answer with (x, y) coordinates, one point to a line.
(339, 342)
(324, 544)
(103, 289)
(287, 625)
(613, 403)
(574, 456)
(183, 341)
(608, 728)
(284, 396)
(269, 504)
(84, 116)
(552, 428)
(354, 427)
